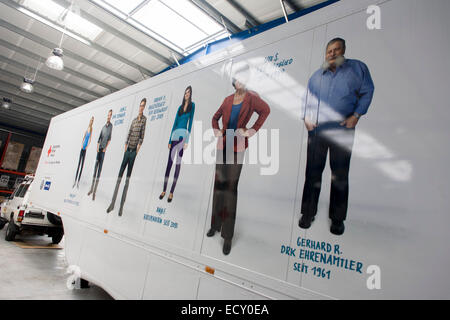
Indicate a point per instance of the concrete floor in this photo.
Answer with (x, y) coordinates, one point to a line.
(38, 274)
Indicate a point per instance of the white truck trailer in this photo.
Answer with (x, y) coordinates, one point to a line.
(397, 215)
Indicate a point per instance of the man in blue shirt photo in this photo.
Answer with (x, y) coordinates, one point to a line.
(338, 95)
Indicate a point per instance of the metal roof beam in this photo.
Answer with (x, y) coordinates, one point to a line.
(93, 45)
(50, 77)
(32, 104)
(68, 70)
(45, 43)
(20, 116)
(35, 135)
(9, 87)
(30, 112)
(23, 126)
(250, 18)
(46, 88)
(120, 34)
(216, 15)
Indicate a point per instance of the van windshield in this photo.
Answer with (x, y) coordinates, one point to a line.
(23, 189)
(17, 191)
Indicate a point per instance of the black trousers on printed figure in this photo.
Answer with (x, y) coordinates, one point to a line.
(228, 171)
(176, 151)
(338, 141)
(97, 170)
(80, 165)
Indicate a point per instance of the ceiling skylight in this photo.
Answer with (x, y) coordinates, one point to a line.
(124, 6)
(159, 18)
(177, 23)
(60, 15)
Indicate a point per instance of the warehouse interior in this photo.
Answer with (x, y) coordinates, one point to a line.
(57, 55)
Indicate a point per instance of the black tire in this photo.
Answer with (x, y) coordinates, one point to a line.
(84, 284)
(57, 237)
(11, 231)
(54, 219)
(3, 222)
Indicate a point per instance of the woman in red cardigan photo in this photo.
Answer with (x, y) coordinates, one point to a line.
(235, 112)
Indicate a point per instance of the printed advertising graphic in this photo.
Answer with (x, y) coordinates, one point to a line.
(177, 202)
(52, 155)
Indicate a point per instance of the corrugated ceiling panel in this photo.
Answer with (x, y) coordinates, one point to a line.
(131, 72)
(5, 52)
(21, 124)
(12, 15)
(17, 82)
(262, 10)
(121, 47)
(59, 74)
(112, 81)
(53, 84)
(149, 62)
(228, 11)
(126, 50)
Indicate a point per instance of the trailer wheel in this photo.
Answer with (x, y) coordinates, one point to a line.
(11, 231)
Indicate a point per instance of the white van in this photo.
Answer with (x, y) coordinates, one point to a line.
(24, 217)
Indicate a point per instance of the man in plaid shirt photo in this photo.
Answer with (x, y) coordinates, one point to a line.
(132, 145)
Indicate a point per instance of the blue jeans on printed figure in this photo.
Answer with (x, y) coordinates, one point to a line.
(338, 141)
(175, 151)
(128, 162)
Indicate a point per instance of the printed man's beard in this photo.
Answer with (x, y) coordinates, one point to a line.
(339, 62)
